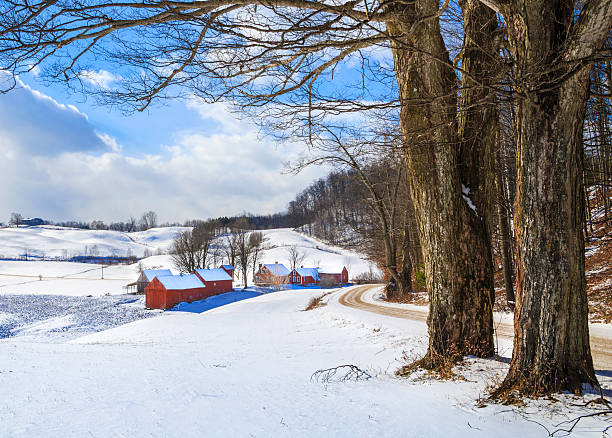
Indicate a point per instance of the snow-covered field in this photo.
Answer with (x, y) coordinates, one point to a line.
(55, 318)
(245, 370)
(82, 279)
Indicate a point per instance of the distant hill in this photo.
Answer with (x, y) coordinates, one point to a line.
(54, 241)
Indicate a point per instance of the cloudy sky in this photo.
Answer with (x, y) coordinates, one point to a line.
(65, 158)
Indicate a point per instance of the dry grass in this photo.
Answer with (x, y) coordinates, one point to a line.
(316, 302)
(418, 298)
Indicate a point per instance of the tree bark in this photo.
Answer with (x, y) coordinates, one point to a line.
(551, 342)
(504, 231)
(453, 240)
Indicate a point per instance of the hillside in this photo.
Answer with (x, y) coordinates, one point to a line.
(81, 279)
(52, 241)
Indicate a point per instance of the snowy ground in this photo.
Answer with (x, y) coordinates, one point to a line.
(245, 369)
(64, 278)
(57, 319)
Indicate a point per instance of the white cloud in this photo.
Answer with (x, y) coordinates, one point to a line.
(33, 122)
(86, 174)
(101, 78)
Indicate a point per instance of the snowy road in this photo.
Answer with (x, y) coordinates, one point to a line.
(601, 337)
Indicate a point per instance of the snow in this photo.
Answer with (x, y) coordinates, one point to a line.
(216, 301)
(181, 282)
(277, 269)
(52, 241)
(150, 274)
(466, 192)
(308, 272)
(216, 274)
(245, 369)
(55, 318)
(64, 278)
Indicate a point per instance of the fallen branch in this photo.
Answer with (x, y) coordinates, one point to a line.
(350, 372)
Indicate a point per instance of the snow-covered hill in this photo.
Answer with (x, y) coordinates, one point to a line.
(80, 279)
(51, 241)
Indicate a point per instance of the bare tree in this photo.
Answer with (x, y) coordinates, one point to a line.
(295, 256)
(16, 219)
(241, 242)
(258, 243)
(190, 248)
(148, 220)
(379, 168)
(131, 225)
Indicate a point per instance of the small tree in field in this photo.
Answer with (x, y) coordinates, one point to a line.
(296, 257)
(16, 219)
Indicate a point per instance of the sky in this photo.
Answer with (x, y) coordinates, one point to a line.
(66, 158)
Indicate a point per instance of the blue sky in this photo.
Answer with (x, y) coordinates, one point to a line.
(67, 158)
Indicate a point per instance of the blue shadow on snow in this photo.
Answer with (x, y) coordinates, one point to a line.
(215, 301)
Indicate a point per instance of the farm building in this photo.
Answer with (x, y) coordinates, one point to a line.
(147, 275)
(33, 222)
(229, 269)
(217, 280)
(329, 277)
(304, 276)
(166, 291)
(272, 273)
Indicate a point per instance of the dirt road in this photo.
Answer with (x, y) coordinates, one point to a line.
(601, 347)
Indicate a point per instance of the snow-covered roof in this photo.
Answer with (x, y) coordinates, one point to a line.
(308, 272)
(152, 273)
(180, 282)
(328, 270)
(277, 269)
(230, 267)
(216, 274)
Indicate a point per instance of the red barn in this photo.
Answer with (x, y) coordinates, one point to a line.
(217, 280)
(330, 277)
(304, 276)
(229, 269)
(166, 291)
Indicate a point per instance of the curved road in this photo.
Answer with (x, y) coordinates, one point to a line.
(601, 346)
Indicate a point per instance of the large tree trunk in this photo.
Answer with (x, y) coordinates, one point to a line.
(551, 343)
(453, 239)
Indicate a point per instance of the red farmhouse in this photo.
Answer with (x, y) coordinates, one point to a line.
(217, 280)
(166, 291)
(272, 273)
(304, 276)
(334, 277)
